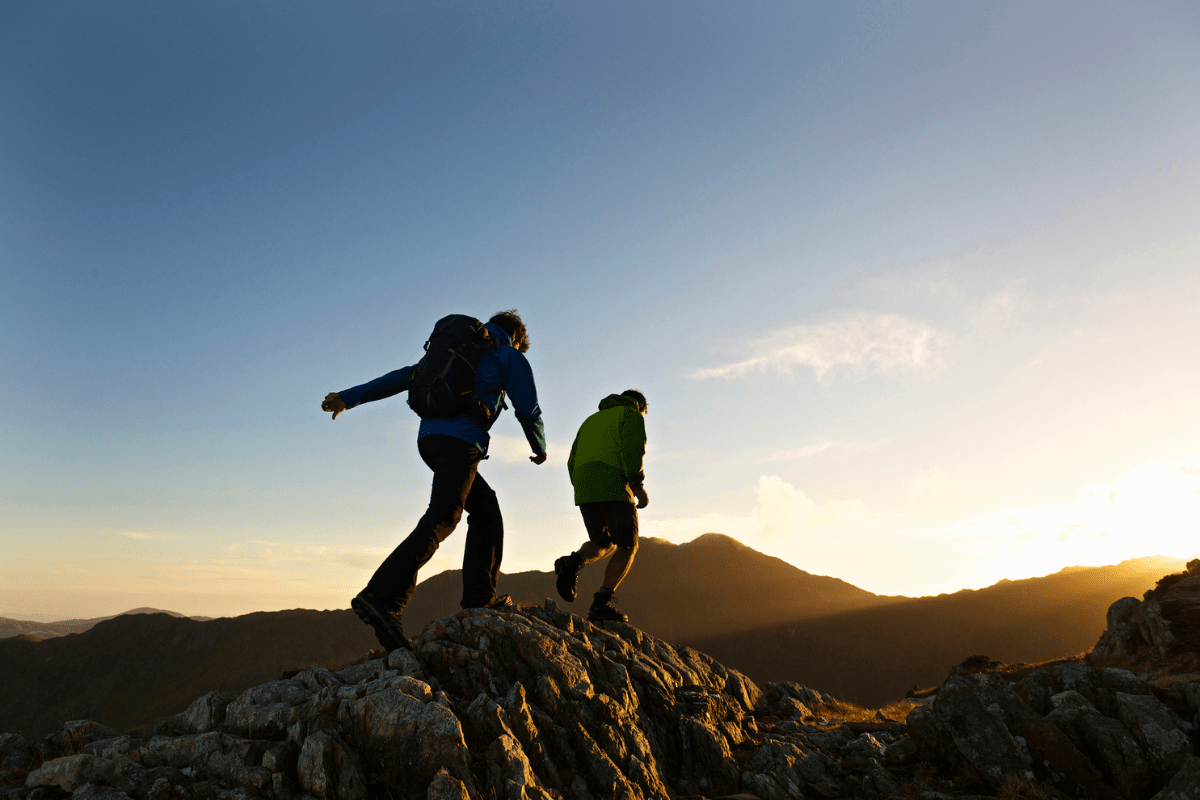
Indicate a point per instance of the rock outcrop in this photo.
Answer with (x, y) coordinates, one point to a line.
(535, 703)
(1164, 623)
(1091, 733)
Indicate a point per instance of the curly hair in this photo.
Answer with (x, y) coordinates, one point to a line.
(637, 397)
(511, 323)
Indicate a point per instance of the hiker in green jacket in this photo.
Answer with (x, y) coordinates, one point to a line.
(606, 470)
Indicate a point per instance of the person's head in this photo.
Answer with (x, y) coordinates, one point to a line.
(510, 322)
(637, 397)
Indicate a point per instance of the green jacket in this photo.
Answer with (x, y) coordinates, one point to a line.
(606, 458)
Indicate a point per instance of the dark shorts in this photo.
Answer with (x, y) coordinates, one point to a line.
(611, 522)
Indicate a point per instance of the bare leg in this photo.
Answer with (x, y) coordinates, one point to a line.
(593, 552)
(618, 567)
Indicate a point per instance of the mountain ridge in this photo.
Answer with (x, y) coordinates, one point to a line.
(869, 648)
(48, 630)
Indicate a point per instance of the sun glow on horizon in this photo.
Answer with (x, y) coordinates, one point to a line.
(1151, 510)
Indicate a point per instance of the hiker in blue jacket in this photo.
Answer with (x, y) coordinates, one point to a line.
(453, 447)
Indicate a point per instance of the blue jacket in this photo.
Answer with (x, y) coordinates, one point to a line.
(503, 369)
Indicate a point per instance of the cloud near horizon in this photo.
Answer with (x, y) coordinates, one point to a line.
(1151, 510)
(883, 342)
(781, 511)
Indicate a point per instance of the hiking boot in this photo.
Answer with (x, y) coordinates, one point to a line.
(388, 629)
(498, 602)
(604, 609)
(567, 569)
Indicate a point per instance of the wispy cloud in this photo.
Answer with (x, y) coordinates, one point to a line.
(823, 445)
(142, 537)
(781, 512)
(882, 342)
(1151, 510)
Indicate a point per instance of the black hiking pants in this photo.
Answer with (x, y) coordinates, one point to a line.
(457, 486)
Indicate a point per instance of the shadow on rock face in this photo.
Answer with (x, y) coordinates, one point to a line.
(535, 703)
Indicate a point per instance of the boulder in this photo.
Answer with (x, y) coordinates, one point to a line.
(1184, 784)
(329, 770)
(206, 713)
(71, 772)
(1123, 636)
(978, 732)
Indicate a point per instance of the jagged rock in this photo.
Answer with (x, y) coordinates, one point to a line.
(445, 786)
(1180, 604)
(205, 714)
(1185, 785)
(774, 772)
(91, 791)
(788, 700)
(708, 767)
(1154, 628)
(266, 711)
(1165, 622)
(329, 770)
(1118, 754)
(1166, 745)
(876, 783)
(1123, 635)
(1036, 689)
(17, 758)
(405, 734)
(900, 751)
(70, 772)
(109, 748)
(535, 703)
(75, 734)
(509, 773)
(974, 664)
(977, 730)
(214, 755)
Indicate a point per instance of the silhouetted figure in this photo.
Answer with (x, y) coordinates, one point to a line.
(606, 471)
(453, 447)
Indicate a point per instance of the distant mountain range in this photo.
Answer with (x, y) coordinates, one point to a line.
(872, 656)
(711, 585)
(751, 611)
(134, 669)
(49, 630)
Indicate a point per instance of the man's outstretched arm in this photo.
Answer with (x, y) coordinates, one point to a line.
(384, 386)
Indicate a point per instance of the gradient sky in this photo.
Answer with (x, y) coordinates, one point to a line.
(911, 288)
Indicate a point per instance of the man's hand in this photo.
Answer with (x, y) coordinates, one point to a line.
(643, 499)
(538, 459)
(333, 402)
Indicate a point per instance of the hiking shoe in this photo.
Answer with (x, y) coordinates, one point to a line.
(604, 609)
(388, 629)
(497, 603)
(567, 569)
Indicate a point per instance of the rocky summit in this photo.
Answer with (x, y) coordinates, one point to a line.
(1164, 623)
(534, 703)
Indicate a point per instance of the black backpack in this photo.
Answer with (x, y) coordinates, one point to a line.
(443, 381)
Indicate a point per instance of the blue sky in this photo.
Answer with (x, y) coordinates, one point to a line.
(911, 287)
